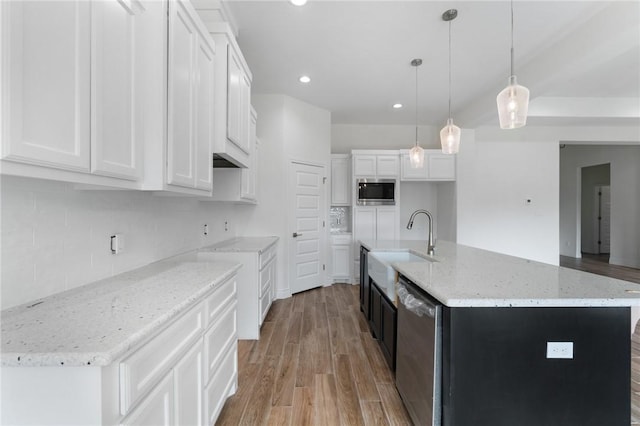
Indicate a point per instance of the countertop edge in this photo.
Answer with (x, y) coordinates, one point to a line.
(103, 359)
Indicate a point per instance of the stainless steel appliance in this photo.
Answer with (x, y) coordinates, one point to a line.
(419, 354)
(376, 192)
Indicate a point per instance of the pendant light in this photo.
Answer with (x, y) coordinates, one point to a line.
(450, 134)
(513, 101)
(416, 154)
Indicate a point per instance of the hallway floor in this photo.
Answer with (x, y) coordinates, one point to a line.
(599, 264)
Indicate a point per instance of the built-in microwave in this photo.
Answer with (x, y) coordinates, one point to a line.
(376, 192)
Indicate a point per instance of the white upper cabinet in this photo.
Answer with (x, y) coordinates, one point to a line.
(116, 127)
(437, 167)
(71, 95)
(239, 185)
(250, 174)
(387, 165)
(204, 113)
(441, 166)
(190, 99)
(232, 110)
(375, 164)
(46, 83)
(340, 180)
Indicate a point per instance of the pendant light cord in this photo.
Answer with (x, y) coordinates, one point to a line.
(449, 69)
(417, 105)
(512, 37)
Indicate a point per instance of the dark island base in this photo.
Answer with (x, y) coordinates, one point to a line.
(496, 371)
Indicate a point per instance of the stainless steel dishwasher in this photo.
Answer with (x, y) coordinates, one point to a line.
(419, 354)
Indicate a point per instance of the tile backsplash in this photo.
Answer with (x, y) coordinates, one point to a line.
(340, 219)
(55, 238)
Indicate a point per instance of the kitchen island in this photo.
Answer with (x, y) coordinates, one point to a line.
(516, 341)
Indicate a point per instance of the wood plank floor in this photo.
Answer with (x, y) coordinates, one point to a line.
(315, 364)
(600, 265)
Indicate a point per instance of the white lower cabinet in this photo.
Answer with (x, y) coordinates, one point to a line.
(341, 258)
(157, 407)
(181, 376)
(188, 377)
(256, 285)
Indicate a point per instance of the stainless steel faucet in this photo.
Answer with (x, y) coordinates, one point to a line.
(430, 246)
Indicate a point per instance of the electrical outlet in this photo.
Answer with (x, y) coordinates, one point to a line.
(206, 229)
(117, 243)
(560, 350)
(226, 226)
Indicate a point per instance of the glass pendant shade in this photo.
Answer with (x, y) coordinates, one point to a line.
(450, 138)
(416, 156)
(513, 104)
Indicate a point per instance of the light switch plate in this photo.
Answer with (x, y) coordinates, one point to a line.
(560, 350)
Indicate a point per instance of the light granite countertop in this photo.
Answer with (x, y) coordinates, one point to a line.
(95, 324)
(243, 244)
(462, 276)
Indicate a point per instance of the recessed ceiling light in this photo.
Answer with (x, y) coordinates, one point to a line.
(305, 79)
(298, 2)
(396, 106)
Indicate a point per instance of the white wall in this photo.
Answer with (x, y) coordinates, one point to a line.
(497, 173)
(288, 129)
(414, 196)
(625, 199)
(55, 238)
(345, 137)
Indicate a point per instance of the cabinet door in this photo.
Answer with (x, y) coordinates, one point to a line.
(365, 223)
(204, 112)
(441, 166)
(189, 386)
(249, 174)
(364, 165)
(245, 113)
(375, 319)
(234, 97)
(388, 332)
(181, 140)
(386, 223)
(340, 182)
(115, 125)
(387, 165)
(156, 409)
(410, 173)
(341, 261)
(46, 83)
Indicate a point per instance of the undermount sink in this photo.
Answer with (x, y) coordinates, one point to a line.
(380, 269)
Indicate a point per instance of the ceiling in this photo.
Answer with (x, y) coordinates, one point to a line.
(580, 59)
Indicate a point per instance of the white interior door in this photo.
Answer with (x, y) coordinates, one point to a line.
(306, 226)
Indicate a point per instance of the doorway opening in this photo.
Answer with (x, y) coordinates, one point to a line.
(595, 208)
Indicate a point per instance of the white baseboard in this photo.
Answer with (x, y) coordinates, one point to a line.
(621, 261)
(283, 293)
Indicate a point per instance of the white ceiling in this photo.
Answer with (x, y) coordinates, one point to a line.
(580, 59)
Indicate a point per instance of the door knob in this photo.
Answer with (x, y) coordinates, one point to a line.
(295, 234)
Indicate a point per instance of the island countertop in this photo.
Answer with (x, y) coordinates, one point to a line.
(94, 324)
(463, 276)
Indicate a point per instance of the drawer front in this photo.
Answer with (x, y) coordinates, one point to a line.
(156, 409)
(221, 336)
(267, 255)
(265, 279)
(338, 240)
(265, 303)
(145, 367)
(223, 383)
(219, 299)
